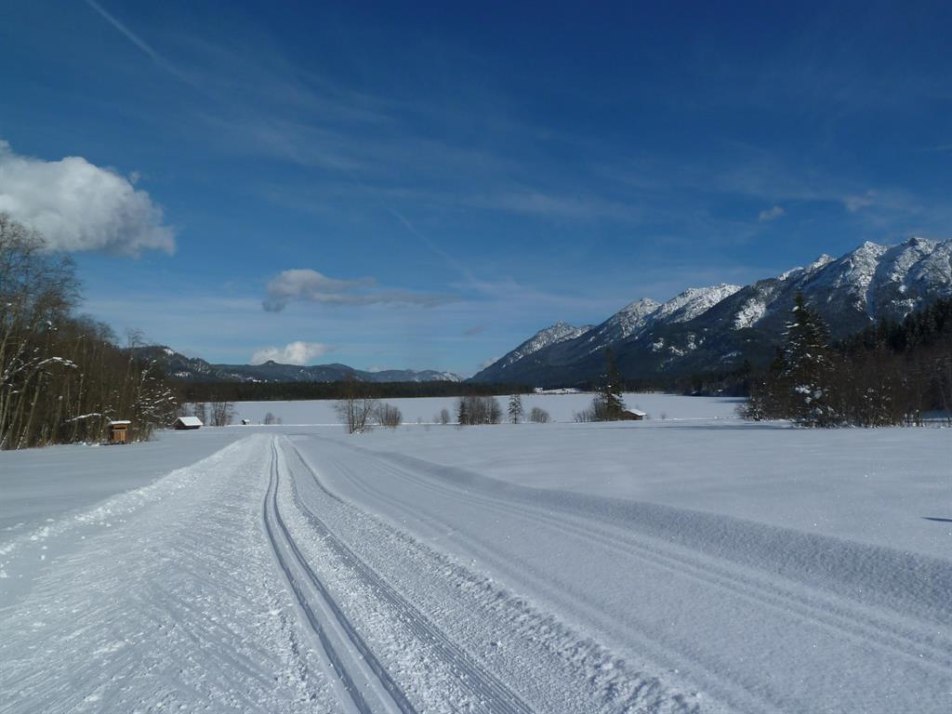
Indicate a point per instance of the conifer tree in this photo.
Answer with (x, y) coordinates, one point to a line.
(515, 409)
(799, 381)
(808, 369)
(609, 404)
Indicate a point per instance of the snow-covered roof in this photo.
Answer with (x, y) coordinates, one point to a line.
(638, 412)
(189, 421)
(119, 422)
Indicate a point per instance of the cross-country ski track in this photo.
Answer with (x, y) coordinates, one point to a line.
(301, 570)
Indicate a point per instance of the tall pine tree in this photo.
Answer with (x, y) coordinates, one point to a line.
(798, 384)
(609, 404)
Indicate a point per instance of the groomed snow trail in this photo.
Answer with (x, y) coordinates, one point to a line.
(738, 616)
(240, 583)
(312, 573)
(452, 638)
(161, 599)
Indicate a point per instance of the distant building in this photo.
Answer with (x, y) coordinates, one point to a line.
(119, 431)
(188, 422)
(633, 415)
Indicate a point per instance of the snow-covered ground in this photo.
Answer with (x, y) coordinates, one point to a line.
(685, 563)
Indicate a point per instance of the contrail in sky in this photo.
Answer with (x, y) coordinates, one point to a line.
(462, 269)
(172, 69)
(139, 42)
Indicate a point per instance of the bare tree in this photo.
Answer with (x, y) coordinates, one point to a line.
(388, 416)
(63, 377)
(222, 413)
(355, 413)
(37, 291)
(539, 415)
(355, 409)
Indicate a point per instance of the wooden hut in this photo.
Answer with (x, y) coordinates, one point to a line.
(119, 431)
(633, 415)
(188, 422)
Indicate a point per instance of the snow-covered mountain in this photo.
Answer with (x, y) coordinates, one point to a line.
(630, 320)
(559, 332)
(718, 327)
(630, 323)
(693, 302)
(195, 369)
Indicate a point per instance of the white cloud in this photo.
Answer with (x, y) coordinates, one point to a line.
(300, 353)
(771, 214)
(78, 206)
(305, 285)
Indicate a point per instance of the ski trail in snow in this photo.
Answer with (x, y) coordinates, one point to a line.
(504, 654)
(365, 681)
(177, 606)
(815, 629)
(305, 573)
(492, 694)
(896, 635)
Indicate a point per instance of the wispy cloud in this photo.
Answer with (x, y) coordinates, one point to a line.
(771, 214)
(309, 286)
(78, 206)
(856, 203)
(555, 205)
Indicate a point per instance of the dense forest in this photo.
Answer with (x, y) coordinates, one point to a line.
(62, 377)
(892, 373)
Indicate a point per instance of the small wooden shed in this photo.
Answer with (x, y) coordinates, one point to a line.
(188, 422)
(119, 431)
(633, 415)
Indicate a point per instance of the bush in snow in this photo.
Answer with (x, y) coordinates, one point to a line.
(539, 415)
(388, 416)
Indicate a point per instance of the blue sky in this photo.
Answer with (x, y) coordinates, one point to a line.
(425, 185)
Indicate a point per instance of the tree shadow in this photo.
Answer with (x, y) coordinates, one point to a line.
(940, 520)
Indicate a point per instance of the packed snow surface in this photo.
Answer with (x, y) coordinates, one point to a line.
(686, 563)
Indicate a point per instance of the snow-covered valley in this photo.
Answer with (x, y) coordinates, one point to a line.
(685, 563)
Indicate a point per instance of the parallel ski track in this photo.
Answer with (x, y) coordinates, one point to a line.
(923, 649)
(740, 698)
(487, 689)
(316, 602)
(853, 623)
(857, 625)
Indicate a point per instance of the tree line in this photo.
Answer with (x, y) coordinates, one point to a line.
(188, 391)
(889, 374)
(62, 377)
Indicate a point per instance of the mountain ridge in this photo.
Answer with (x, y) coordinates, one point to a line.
(195, 369)
(722, 326)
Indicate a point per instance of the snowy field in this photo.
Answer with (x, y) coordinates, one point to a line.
(561, 408)
(687, 563)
